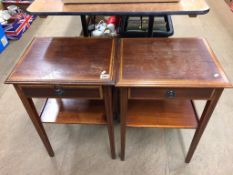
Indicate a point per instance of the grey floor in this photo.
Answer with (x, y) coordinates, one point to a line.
(85, 149)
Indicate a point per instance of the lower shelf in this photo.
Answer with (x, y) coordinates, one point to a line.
(161, 114)
(73, 111)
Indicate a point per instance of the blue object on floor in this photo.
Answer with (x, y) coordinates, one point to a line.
(3, 40)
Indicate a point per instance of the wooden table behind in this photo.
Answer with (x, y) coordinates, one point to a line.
(55, 7)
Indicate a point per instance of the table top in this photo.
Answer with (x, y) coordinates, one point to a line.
(173, 62)
(65, 61)
(57, 7)
(113, 1)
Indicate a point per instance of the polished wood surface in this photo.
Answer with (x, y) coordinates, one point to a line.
(65, 61)
(73, 111)
(161, 114)
(55, 7)
(173, 62)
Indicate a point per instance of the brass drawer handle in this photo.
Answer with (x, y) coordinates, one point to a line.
(59, 91)
(171, 93)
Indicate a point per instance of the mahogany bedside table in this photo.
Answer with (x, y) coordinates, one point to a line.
(75, 75)
(160, 78)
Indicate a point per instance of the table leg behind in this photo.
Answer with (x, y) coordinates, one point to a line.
(150, 26)
(84, 25)
(208, 110)
(31, 110)
(123, 114)
(107, 91)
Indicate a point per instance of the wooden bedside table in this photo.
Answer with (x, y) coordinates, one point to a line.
(160, 78)
(75, 75)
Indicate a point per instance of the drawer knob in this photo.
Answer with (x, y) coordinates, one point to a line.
(171, 93)
(59, 91)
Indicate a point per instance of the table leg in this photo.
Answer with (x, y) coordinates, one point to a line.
(125, 22)
(123, 114)
(150, 26)
(107, 91)
(116, 104)
(31, 110)
(84, 25)
(208, 110)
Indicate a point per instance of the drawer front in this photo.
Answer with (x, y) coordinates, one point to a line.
(170, 93)
(92, 92)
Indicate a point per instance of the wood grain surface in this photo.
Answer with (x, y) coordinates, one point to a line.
(161, 114)
(173, 62)
(74, 111)
(55, 7)
(65, 61)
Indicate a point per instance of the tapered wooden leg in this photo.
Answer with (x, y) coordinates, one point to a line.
(31, 110)
(107, 91)
(208, 110)
(123, 114)
(116, 104)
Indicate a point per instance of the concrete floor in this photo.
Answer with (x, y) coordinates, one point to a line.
(85, 149)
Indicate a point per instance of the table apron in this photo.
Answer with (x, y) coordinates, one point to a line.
(170, 93)
(62, 91)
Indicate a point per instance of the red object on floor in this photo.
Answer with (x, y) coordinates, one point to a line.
(113, 20)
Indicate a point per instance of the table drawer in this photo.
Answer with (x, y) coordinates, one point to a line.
(169, 93)
(92, 92)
